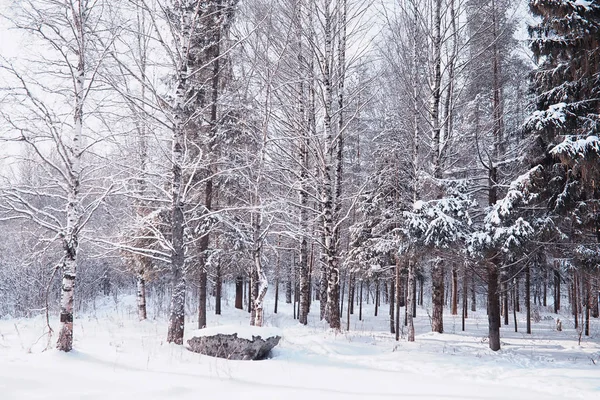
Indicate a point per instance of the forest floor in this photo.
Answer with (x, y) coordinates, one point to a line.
(117, 357)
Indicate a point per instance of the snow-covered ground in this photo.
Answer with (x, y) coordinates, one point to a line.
(117, 357)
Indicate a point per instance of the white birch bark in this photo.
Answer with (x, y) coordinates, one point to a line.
(70, 237)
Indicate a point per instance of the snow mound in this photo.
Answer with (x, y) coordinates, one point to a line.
(243, 332)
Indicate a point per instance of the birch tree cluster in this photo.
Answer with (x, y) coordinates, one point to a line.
(318, 152)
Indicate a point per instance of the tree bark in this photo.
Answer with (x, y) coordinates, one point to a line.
(218, 289)
(528, 296)
(70, 236)
(454, 290)
(437, 297)
(493, 307)
(392, 307)
(410, 301)
(505, 295)
(376, 295)
(202, 294)
(239, 292)
(141, 296)
(556, 288)
(473, 294)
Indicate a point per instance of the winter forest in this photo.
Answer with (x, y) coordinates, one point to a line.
(362, 174)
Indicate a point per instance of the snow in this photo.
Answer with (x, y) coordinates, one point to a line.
(243, 331)
(573, 147)
(120, 358)
(555, 116)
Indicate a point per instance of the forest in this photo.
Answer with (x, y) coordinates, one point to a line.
(439, 155)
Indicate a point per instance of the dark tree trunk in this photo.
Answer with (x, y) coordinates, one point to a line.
(239, 292)
(454, 290)
(465, 295)
(595, 290)
(392, 307)
(574, 300)
(514, 297)
(343, 289)
(323, 289)
(376, 295)
(493, 307)
(505, 295)
(437, 297)
(556, 291)
(288, 284)
(518, 295)
(202, 300)
(473, 294)
(397, 300)
(353, 289)
(218, 289)
(421, 287)
(276, 295)
(588, 303)
(249, 293)
(304, 301)
(360, 301)
(528, 297)
(410, 301)
(545, 289)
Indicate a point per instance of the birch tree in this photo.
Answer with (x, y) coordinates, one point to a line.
(52, 121)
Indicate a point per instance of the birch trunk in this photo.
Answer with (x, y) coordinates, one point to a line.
(70, 237)
(180, 118)
(141, 295)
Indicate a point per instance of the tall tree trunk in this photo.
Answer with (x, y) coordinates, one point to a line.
(595, 292)
(397, 300)
(421, 291)
(454, 290)
(505, 295)
(514, 297)
(303, 164)
(473, 294)
(70, 236)
(239, 292)
(288, 283)
(202, 296)
(493, 307)
(376, 295)
(465, 295)
(528, 296)
(218, 288)
(545, 288)
(517, 292)
(556, 288)
(277, 274)
(360, 301)
(352, 290)
(177, 307)
(392, 306)
(437, 297)
(588, 302)
(575, 298)
(410, 301)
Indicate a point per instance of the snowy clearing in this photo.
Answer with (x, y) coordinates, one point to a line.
(117, 357)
